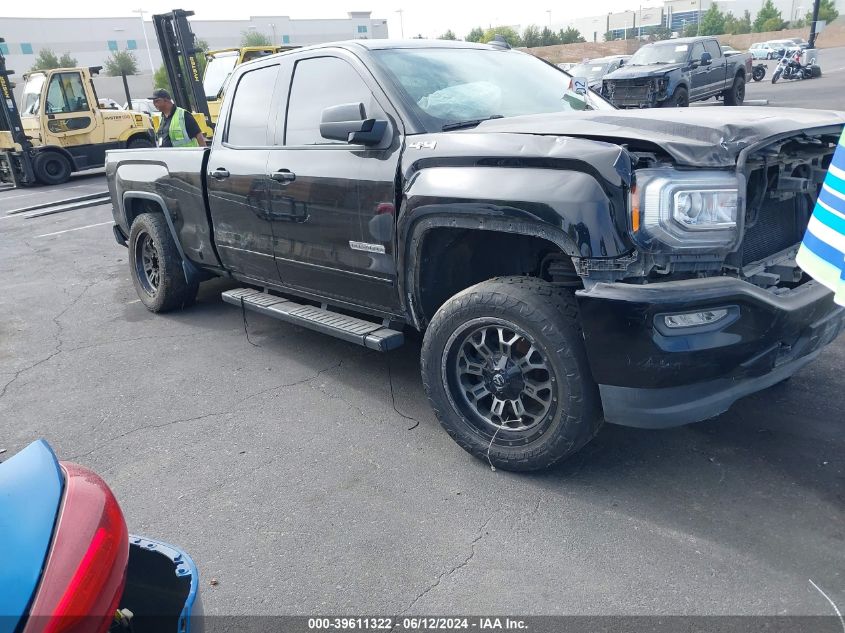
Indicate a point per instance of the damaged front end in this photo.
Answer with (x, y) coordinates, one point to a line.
(646, 92)
(745, 223)
(712, 306)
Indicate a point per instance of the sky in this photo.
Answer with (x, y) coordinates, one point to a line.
(429, 18)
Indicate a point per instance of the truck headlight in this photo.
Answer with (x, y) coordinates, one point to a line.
(686, 210)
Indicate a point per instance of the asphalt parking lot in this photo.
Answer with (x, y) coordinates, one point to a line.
(306, 475)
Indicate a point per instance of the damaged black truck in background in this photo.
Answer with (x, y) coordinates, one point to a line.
(568, 263)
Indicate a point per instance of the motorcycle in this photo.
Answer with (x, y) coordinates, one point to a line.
(69, 563)
(758, 72)
(789, 69)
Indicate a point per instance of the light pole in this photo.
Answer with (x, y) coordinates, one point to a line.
(401, 22)
(549, 11)
(273, 26)
(141, 12)
(698, 24)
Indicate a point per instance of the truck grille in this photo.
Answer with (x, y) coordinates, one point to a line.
(633, 93)
(779, 225)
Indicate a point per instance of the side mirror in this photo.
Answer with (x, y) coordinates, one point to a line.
(706, 58)
(621, 63)
(347, 123)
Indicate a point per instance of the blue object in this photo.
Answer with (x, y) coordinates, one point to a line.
(30, 493)
(26, 48)
(183, 566)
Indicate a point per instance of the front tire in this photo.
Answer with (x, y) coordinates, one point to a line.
(776, 76)
(679, 99)
(51, 168)
(156, 266)
(506, 372)
(735, 95)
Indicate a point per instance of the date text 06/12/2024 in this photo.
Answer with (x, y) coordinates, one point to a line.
(415, 624)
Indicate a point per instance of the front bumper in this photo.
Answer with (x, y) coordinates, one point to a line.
(652, 377)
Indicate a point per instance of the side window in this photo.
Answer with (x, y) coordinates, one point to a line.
(250, 109)
(66, 94)
(319, 83)
(712, 47)
(697, 51)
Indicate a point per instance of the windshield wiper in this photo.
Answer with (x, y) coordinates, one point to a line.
(459, 125)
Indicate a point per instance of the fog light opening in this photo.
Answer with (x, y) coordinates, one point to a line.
(694, 319)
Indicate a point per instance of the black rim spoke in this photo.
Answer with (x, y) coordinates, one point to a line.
(503, 378)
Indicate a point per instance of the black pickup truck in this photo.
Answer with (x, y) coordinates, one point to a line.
(568, 263)
(675, 73)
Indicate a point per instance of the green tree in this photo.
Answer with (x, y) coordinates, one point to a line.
(46, 60)
(475, 35)
(448, 35)
(827, 11)
(690, 30)
(121, 62)
(657, 33)
(608, 37)
(66, 61)
(531, 36)
(713, 21)
(160, 80)
(768, 19)
(254, 38)
(510, 35)
(571, 36)
(549, 37)
(745, 22)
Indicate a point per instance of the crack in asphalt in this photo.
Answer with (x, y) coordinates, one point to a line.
(58, 341)
(454, 569)
(229, 411)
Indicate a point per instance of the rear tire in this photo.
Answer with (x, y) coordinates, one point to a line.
(51, 168)
(156, 266)
(735, 95)
(505, 341)
(759, 73)
(679, 99)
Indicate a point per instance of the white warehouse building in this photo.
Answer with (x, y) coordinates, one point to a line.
(92, 40)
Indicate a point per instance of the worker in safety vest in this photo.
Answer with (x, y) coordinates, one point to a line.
(177, 127)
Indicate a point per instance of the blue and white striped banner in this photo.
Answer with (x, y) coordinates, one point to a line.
(822, 253)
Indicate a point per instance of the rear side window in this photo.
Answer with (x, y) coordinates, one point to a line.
(250, 109)
(712, 47)
(319, 83)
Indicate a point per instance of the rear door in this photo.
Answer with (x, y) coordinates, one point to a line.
(237, 177)
(699, 75)
(718, 66)
(334, 216)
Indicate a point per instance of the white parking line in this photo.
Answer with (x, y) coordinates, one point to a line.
(35, 193)
(78, 228)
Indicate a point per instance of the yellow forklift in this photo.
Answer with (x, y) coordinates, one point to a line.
(60, 128)
(200, 94)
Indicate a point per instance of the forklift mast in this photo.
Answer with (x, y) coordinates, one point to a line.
(10, 121)
(177, 44)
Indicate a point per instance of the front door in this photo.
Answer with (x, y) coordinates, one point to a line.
(332, 203)
(68, 119)
(237, 178)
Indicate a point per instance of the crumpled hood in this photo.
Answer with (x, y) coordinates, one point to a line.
(701, 137)
(640, 72)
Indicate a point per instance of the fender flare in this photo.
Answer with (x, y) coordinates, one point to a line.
(192, 273)
(411, 235)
